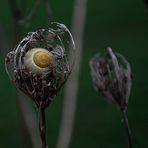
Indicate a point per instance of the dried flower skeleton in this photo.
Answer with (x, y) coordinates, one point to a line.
(111, 76)
(39, 64)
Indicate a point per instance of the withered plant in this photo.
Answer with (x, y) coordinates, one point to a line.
(39, 66)
(111, 76)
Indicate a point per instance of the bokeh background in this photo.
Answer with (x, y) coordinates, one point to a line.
(123, 25)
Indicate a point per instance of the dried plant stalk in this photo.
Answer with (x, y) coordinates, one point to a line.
(111, 76)
(35, 52)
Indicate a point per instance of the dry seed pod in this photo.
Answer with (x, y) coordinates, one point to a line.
(39, 64)
(111, 76)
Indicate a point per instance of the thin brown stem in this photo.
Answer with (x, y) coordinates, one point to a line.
(127, 128)
(42, 127)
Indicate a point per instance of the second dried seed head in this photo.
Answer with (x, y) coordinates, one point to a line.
(111, 76)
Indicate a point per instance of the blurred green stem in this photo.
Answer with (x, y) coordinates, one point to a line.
(72, 85)
(48, 8)
(42, 127)
(19, 23)
(32, 13)
(127, 128)
(16, 13)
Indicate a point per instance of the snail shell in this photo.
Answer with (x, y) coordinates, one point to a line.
(38, 60)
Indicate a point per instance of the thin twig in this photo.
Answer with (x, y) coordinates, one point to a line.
(23, 5)
(127, 128)
(48, 8)
(15, 10)
(32, 13)
(131, 137)
(42, 127)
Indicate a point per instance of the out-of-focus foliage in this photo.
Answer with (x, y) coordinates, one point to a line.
(123, 25)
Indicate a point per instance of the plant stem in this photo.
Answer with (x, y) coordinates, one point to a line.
(31, 14)
(127, 128)
(42, 127)
(16, 14)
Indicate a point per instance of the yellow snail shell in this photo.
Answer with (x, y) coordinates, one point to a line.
(38, 60)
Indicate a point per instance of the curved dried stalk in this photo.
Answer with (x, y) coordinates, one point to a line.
(111, 75)
(127, 128)
(31, 14)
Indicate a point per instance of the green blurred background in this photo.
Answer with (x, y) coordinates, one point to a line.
(123, 25)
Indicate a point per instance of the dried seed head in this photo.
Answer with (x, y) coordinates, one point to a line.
(111, 76)
(40, 65)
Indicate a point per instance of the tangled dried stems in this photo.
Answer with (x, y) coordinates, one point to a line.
(111, 76)
(42, 89)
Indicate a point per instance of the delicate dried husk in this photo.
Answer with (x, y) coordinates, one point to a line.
(111, 76)
(44, 87)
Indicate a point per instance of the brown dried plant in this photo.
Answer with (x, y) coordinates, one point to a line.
(44, 86)
(111, 76)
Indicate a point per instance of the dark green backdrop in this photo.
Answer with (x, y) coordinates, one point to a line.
(123, 25)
